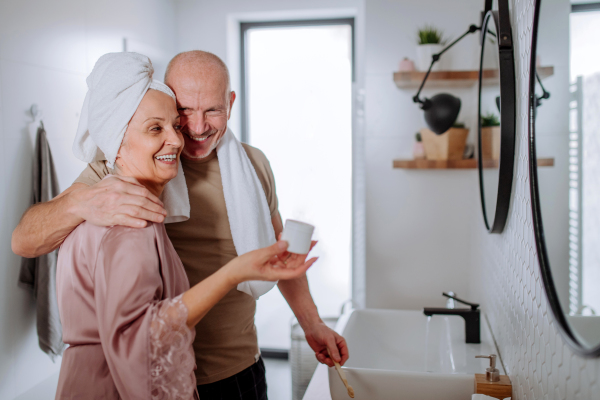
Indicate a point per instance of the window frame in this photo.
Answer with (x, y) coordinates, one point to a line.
(246, 26)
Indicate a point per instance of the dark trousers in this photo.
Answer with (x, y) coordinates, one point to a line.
(250, 384)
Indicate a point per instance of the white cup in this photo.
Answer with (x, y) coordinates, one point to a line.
(298, 235)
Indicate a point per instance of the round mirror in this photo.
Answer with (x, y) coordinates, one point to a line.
(496, 133)
(564, 162)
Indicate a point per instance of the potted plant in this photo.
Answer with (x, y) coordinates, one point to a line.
(490, 137)
(450, 145)
(430, 41)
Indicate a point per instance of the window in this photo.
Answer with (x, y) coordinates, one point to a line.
(584, 252)
(297, 109)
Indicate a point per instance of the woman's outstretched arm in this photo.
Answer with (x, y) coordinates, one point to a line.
(261, 264)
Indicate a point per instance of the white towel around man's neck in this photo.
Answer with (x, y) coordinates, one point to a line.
(247, 208)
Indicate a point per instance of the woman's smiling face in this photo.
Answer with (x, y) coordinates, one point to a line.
(152, 143)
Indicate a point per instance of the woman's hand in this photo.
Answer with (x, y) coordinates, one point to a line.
(266, 264)
(260, 265)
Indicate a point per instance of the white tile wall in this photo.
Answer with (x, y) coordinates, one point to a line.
(539, 363)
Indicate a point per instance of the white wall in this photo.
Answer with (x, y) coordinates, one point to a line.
(508, 281)
(46, 51)
(418, 222)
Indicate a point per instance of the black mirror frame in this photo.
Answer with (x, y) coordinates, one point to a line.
(563, 325)
(501, 19)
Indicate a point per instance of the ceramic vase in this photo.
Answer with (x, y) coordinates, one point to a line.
(406, 65)
(424, 53)
(450, 145)
(490, 142)
(418, 151)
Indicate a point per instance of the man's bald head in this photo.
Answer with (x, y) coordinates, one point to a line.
(201, 83)
(200, 64)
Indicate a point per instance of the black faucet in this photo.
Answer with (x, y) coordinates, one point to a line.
(471, 316)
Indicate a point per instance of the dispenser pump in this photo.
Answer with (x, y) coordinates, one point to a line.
(492, 383)
(491, 374)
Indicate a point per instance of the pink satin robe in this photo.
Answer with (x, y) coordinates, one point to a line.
(120, 306)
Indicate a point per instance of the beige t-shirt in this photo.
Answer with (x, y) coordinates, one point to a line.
(226, 341)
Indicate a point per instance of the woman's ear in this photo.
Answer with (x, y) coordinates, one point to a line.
(123, 146)
(119, 157)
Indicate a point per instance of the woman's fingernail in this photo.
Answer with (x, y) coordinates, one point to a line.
(282, 245)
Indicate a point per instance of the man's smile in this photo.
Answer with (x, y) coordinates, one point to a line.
(199, 138)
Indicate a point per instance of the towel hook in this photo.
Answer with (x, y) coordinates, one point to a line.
(35, 111)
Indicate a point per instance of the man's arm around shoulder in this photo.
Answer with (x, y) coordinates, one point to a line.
(113, 201)
(44, 226)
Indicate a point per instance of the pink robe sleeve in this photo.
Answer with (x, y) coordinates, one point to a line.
(146, 341)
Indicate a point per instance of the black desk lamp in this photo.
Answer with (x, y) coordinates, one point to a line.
(545, 94)
(442, 109)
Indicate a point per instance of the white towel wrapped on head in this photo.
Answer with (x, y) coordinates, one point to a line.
(116, 88)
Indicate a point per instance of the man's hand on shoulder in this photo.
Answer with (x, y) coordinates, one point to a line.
(113, 201)
(117, 200)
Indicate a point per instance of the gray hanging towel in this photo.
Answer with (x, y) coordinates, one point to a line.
(39, 273)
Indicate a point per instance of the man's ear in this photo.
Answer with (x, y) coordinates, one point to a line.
(231, 100)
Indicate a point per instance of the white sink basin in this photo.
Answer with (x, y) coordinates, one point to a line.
(400, 355)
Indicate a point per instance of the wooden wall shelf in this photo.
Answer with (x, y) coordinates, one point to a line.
(457, 164)
(545, 72)
(454, 79)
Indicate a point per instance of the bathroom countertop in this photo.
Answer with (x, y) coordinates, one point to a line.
(318, 388)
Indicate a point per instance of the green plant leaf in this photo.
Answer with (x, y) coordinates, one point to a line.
(430, 35)
(489, 119)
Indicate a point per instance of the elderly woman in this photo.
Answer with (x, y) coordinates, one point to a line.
(126, 307)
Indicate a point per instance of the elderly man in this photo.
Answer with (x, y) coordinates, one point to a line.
(227, 355)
